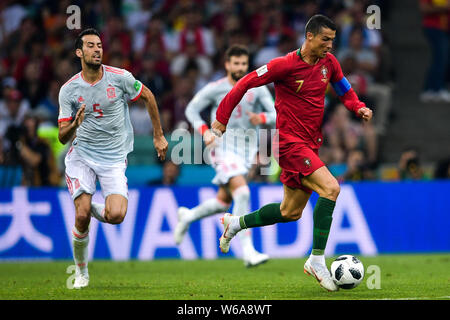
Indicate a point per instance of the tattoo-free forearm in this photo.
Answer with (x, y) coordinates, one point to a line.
(152, 109)
(66, 132)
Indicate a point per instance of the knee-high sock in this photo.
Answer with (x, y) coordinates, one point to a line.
(205, 209)
(241, 198)
(98, 211)
(322, 218)
(80, 241)
(264, 216)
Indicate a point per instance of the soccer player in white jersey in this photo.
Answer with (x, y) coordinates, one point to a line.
(232, 156)
(94, 111)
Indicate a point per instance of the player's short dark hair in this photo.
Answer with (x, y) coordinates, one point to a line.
(236, 50)
(79, 41)
(317, 22)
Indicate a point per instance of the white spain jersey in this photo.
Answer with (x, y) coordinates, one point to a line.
(106, 134)
(241, 135)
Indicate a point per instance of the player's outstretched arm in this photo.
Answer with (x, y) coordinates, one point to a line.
(268, 73)
(159, 140)
(67, 129)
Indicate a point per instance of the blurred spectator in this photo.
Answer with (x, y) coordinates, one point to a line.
(436, 26)
(354, 16)
(285, 44)
(174, 105)
(409, 167)
(34, 53)
(193, 32)
(11, 15)
(357, 79)
(151, 78)
(299, 15)
(170, 174)
(12, 109)
(50, 102)
(366, 58)
(31, 85)
(115, 38)
(357, 168)
(366, 65)
(65, 69)
(442, 170)
(32, 153)
(344, 133)
(191, 56)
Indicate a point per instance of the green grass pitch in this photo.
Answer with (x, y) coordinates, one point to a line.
(401, 277)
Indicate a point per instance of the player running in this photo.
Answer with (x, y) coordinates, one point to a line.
(94, 109)
(232, 156)
(300, 78)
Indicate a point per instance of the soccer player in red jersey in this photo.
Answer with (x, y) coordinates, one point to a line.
(300, 78)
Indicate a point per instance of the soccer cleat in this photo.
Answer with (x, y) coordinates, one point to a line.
(182, 226)
(322, 275)
(81, 281)
(255, 259)
(227, 235)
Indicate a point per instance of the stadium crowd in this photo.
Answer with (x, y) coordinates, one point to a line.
(175, 48)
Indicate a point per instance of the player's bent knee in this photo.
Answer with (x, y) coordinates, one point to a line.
(115, 216)
(291, 215)
(332, 191)
(82, 213)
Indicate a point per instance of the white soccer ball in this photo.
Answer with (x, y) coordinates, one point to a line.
(347, 271)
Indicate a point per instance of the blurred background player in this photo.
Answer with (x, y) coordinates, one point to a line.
(301, 79)
(232, 156)
(103, 138)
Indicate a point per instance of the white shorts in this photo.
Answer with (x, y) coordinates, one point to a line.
(82, 174)
(227, 166)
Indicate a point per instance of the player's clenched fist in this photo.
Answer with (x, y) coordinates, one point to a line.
(79, 116)
(365, 113)
(218, 127)
(208, 137)
(161, 146)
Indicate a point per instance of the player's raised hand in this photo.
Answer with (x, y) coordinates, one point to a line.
(208, 137)
(161, 146)
(365, 113)
(254, 118)
(79, 117)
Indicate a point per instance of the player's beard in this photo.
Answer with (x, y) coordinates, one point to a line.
(92, 65)
(236, 76)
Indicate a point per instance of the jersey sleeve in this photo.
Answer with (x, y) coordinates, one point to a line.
(343, 88)
(269, 114)
(275, 70)
(201, 100)
(65, 106)
(131, 86)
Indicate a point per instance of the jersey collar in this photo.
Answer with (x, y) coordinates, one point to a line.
(93, 84)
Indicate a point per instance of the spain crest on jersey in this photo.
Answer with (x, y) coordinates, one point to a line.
(111, 92)
(324, 72)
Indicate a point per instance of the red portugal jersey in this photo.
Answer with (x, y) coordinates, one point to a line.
(299, 96)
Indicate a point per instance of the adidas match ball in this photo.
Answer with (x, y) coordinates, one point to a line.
(347, 272)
